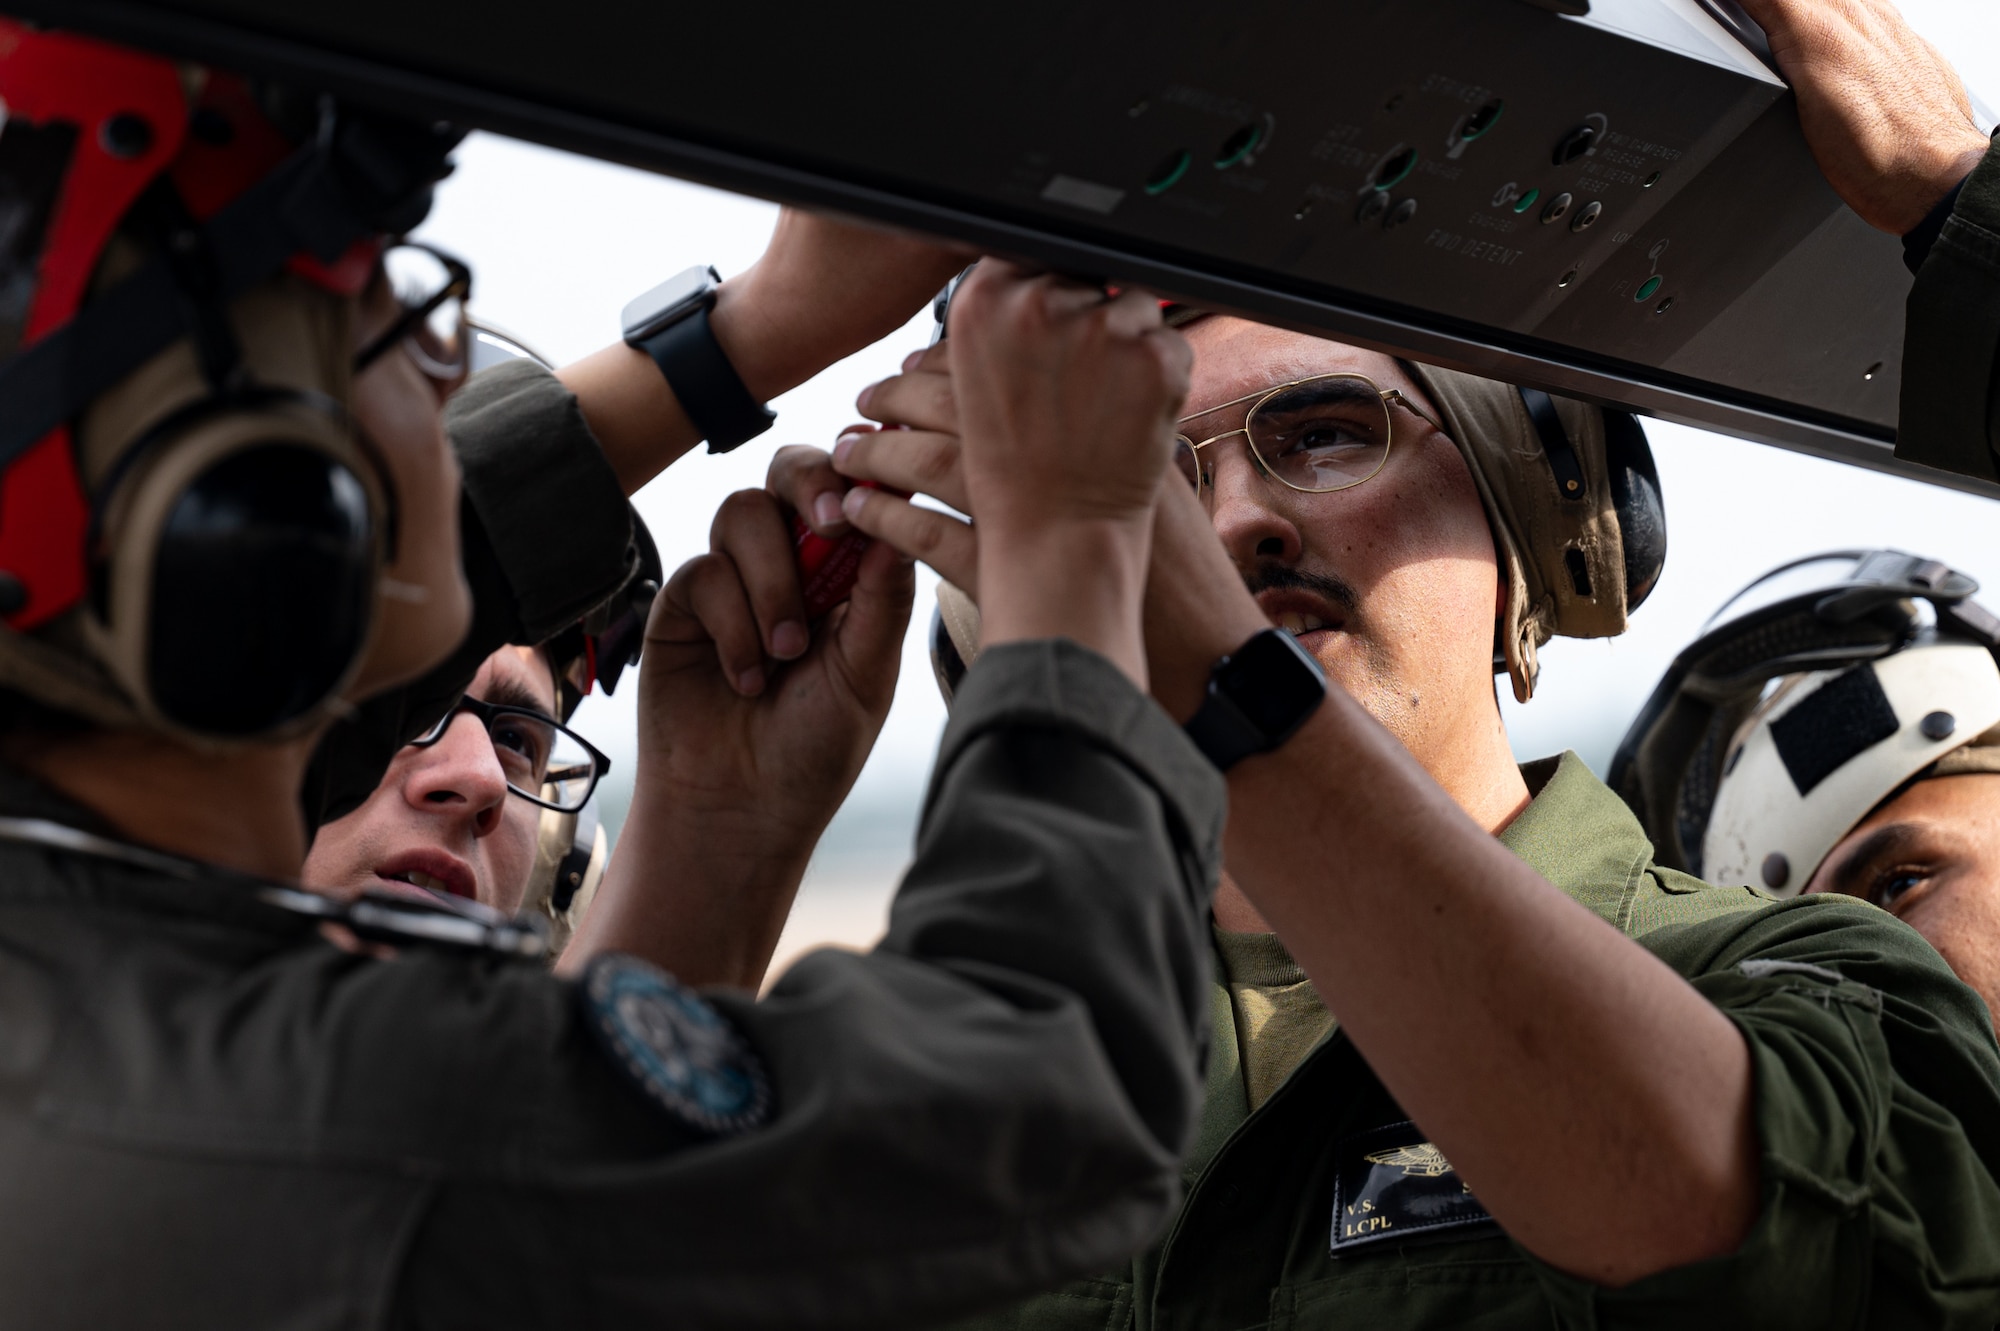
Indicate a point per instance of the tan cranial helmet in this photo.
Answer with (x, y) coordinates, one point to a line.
(1570, 493)
(1574, 503)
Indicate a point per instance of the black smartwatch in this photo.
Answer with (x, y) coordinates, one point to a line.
(1258, 697)
(670, 324)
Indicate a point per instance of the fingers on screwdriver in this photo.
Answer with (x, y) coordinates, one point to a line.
(918, 460)
(712, 592)
(921, 399)
(804, 480)
(869, 629)
(752, 530)
(944, 542)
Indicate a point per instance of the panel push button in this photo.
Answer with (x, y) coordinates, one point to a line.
(1575, 144)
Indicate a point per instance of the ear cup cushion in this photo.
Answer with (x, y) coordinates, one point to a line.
(238, 556)
(1635, 497)
(262, 591)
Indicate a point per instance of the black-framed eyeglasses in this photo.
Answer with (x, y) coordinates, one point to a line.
(545, 762)
(432, 288)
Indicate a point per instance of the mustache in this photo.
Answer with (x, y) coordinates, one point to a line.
(1279, 577)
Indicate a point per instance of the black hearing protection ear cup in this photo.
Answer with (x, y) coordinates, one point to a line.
(235, 553)
(262, 592)
(1635, 497)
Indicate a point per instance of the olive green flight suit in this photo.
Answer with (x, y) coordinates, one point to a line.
(211, 1118)
(1877, 1104)
(1950, 411)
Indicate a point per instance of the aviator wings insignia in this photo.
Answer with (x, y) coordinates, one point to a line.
(1423, 1160)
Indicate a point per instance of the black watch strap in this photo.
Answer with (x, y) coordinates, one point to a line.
(705, 383)
(1223, 734)
(1258, 697)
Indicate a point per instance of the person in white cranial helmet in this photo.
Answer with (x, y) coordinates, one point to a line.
(1837, 729)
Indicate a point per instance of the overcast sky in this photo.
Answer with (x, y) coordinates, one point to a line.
(559, 244)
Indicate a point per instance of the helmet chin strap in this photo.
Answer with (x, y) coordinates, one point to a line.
(180, 242)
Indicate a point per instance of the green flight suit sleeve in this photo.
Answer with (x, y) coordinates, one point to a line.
(1877, 1105)
(996, 1099)
(545, 536)
(1950, 412)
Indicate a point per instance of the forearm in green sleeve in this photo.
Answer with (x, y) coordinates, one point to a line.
(1877, 1091)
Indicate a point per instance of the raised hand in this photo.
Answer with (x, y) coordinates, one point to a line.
(1047, 415)
(752, 729)
(1886, 116)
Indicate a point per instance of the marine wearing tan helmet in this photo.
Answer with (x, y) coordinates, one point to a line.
(1580, 546)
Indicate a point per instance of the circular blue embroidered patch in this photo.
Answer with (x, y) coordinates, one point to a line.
(686, 1056)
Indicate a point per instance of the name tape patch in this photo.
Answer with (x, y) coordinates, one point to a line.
(1389, 1183)
(675, 1047)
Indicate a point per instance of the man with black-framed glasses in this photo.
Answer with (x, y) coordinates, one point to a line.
(460, 811)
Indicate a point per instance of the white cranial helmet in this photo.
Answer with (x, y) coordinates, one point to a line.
(1811, 697)
(1825, 748)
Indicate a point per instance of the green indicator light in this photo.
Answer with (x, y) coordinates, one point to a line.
(1527, 201)
(1648, 287)
(1238, 146)
(1168, 173)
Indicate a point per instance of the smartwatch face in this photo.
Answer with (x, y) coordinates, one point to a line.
(667, 302)
(1272, 681)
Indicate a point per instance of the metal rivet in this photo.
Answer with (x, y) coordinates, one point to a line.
(125, 135)
(1664, 306)
(1558, 208)
(1777, 870)
(1938, 725)
(1871, 371)
(1588, 217)
(1566, 278)
(13, 594)
(1569, 485)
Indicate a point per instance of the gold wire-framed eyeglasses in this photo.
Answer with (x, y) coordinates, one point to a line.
(1317, 435)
